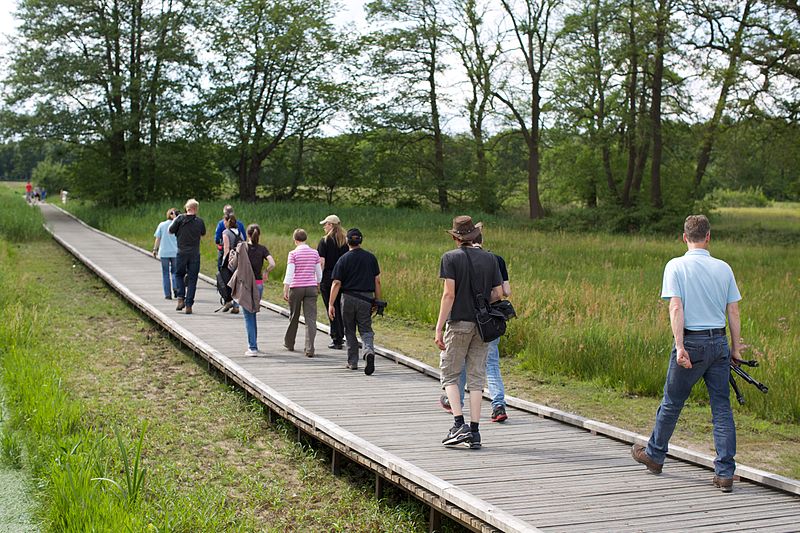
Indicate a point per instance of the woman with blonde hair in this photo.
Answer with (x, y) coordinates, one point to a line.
(330, 248)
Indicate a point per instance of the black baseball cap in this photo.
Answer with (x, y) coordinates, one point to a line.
(354, 236)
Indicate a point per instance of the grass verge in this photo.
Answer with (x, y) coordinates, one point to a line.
(84, 373)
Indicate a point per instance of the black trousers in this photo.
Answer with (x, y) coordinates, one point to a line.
(337, 325)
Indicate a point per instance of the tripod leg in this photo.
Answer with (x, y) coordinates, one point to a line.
(739, 396)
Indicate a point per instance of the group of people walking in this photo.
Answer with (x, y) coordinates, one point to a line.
(701, 291)
(347, 276)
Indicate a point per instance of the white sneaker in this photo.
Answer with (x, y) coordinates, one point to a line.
(252, 353)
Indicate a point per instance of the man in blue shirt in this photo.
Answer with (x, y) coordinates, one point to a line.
(701, 291)
(227, 211)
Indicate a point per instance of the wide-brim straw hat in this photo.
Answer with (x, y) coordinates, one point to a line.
(464, 229)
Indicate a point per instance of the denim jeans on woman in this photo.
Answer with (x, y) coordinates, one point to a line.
(710, 358)
(497, 391)
(168, 267)
(250, 323)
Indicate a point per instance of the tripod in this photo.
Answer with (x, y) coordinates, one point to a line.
(739, 371)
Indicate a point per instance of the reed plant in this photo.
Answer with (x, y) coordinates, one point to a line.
(588, 303)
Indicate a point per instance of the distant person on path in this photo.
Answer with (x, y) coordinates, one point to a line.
(165, 248)
(300, 289)
(231, 237)
(44, 194)
(330, 248)
(701, 291)
(247, 282)
(188, 228)
(227, 211)
(28, 191)
(357, 277)
(461, 344)
(64, 194)
(494, 380)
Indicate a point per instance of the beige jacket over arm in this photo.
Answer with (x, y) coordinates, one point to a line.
(243, 282)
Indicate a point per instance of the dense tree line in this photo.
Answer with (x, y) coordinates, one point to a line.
(628, 105)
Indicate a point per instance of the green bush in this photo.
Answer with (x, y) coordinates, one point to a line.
(750, 197)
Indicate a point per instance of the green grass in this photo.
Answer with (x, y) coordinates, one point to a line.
(19, 222)
(588, 303)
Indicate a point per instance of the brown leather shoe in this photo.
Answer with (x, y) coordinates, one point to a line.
(180, 305)
(188, 310)
(725, 484)
(640, 456)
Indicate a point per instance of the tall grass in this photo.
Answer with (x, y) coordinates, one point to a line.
(19, 222)
(588, 304)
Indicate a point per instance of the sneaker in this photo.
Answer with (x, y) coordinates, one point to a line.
(168, 297)
(309, 354)
(474, 442)
(640, 456)
(252, 353)
(457, 435)
(370, 368)
(226, 307)
(181, 304)
(444, 401)
(336, 346)
(725, 484)
(290, 348)
(499, 414)
(187, 309)
(235, 311)
(351, 367)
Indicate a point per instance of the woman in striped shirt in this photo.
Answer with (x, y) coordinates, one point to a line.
(300, 288)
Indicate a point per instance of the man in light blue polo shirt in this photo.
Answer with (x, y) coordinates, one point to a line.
(701, 291)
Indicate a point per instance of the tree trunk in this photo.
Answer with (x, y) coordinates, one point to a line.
(662, 18)
(438, 140)
(535, 207)
(729, 78)
(632, 127)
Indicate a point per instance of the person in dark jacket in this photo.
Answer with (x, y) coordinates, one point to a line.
(189, 229)
(330, 248)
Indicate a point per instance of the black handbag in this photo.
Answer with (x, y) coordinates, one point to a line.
(490, 318)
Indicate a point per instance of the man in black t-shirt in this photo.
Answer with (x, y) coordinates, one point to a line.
(358, 277)
(188, 228)
(461, 343)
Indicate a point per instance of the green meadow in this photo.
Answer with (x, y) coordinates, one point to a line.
(588, 303)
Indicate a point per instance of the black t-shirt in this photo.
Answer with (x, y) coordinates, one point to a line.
(454, 266)
(357, 270)
(502, 264)
(330, 252)
(257, 255)
(188, 229)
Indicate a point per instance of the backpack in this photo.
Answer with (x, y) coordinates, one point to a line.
(224, 275)
(234, 239)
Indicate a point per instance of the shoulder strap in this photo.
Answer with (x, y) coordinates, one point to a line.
(480, 301)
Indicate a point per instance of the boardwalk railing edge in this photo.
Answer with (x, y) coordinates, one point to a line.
(755, 475)
(446, 497)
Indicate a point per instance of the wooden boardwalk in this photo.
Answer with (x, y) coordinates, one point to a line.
(542, 470)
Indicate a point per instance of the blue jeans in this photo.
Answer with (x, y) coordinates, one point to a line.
(188, 266)
(168, 266)
(250, 323)
(497, 391)
(710, 358)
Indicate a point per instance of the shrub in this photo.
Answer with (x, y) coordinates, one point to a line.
(750, 197)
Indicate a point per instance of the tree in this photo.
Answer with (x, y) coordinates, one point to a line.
(272, 75)
(97, 73)
(536, 38)
(409, 51)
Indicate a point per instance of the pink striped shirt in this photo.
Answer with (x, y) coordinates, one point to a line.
(305, 259)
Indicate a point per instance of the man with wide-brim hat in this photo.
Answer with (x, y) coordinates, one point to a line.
(460, 342)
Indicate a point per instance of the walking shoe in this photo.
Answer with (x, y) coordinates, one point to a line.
(640, 456)
(290, 348)
(336, 346)
(168, 297)
(475, 441)
(499, 414)
(370, 368)
(457, 435)
(351, 367)
(188, 309)
(227, 307)
(251, 353)
(235, 311)
(444, 401)
(181, 304)
(309, 354)
(725, 484)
